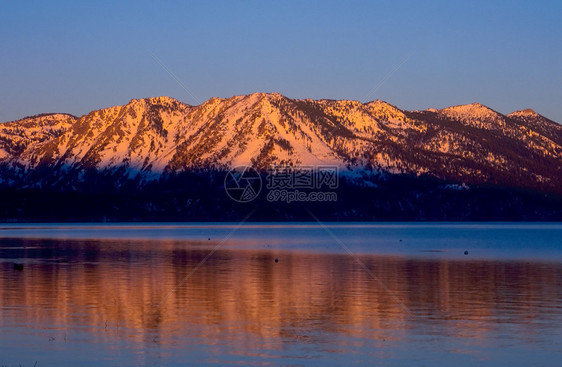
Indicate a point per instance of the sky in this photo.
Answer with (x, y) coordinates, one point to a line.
(78, 56)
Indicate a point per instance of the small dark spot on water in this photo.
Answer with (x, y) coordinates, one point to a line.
(400, 240)
(466, 252)
(208, 239)
(276, 260)
(18, 267)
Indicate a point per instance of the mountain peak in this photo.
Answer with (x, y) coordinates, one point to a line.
(384, 107)
(379, 102)
(472, 107)
(524, 113)
(45, 116)
(473, 110)
(164, 100)
(261, 95)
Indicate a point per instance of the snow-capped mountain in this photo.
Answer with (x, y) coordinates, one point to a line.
(151, 137)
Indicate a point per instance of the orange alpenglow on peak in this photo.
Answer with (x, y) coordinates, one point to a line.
(152, 136)
(525, 112)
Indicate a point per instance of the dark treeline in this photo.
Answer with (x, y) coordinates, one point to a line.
(200, 196)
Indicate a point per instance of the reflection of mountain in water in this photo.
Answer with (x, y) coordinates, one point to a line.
(140, 291)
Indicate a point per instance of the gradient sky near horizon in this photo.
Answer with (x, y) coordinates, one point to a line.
(75, 56)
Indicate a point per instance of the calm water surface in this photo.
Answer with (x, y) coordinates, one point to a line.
(381, 294)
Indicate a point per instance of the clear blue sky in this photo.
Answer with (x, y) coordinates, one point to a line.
(76, 56)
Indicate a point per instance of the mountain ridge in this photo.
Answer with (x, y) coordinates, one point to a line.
(155, 136)
(164, 97)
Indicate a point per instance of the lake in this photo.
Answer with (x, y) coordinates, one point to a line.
(422, 294)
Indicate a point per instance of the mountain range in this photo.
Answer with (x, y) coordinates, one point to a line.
(148, 140)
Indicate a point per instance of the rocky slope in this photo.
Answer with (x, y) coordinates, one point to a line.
(151, 137)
